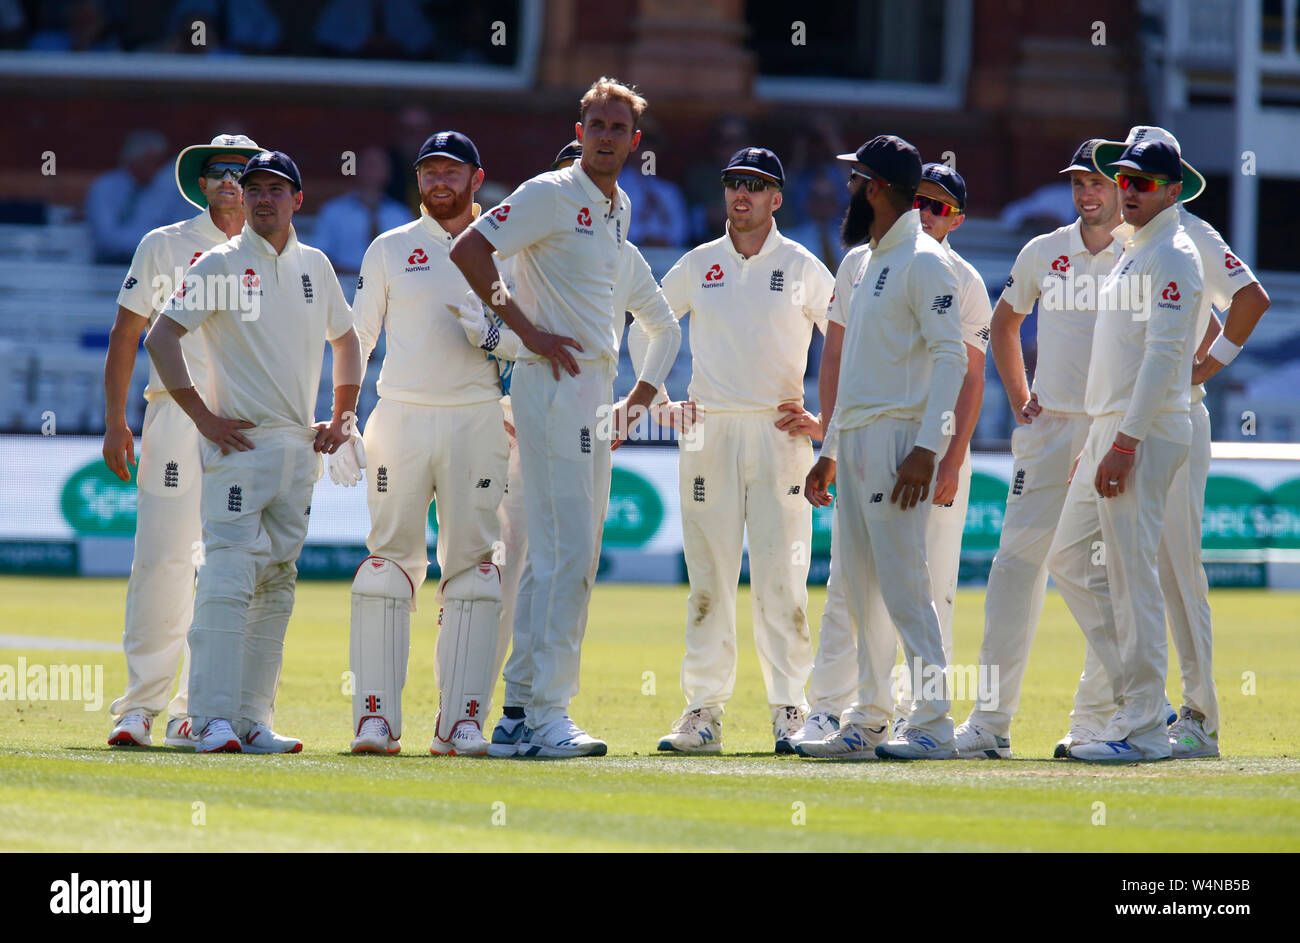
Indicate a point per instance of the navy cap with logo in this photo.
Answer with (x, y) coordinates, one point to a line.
(570, 151)
(1151, 157)
(273, 162)
(890, 159)
(451, 144)
(951, 182)
(1082, 159)
(758, 161)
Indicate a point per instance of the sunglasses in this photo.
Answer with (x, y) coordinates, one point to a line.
(857, 173)
(752, 184)
(1139, 184)
(936, 207)
(218, 170)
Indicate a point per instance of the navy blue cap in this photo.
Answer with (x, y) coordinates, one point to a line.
(451, 144)
(1082, 159)
(758, 161)
(948, 180)
(570, 151)
(273, 162)
(890, 159)
(1148, 157)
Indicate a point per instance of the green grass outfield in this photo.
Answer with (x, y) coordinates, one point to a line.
(63, 789)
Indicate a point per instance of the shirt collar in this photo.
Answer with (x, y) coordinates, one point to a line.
(1077, 246)
(772, 240)
(905, 227)
(205, 225)
(262, 247)
(1166, 218)
(587, 186)
(435, 228)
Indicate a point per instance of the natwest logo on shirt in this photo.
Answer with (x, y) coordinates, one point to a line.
(713, 277)
(250, 280)
(1061, 263)
(195, 257)
(498, 216)
(417, 258)
(1230, 261)
(1171, 292)
(584, 223)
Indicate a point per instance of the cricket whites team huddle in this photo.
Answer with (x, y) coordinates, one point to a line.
(503, 329)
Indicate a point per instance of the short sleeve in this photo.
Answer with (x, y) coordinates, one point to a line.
(338, 317)
(677, 287)
(190, 304)
(525, 217)
(370, 303)
(819, 285)
(976, 312)
(141, 292)
(1022, 288)
(1224, 273)
(837, 308)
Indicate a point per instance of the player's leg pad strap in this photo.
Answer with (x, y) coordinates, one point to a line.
(467, 643)
(381, 641)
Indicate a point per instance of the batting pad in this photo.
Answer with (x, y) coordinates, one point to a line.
(380, 641)
(469, 621)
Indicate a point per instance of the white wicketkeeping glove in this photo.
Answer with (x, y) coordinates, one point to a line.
(479, 328)
(346, 464)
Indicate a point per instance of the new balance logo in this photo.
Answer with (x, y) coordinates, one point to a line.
(584, 440)
(777, 282)
(171, 475)
(1018, 485)
(307, 513)
(484, 483)
(129, 284)
(706, 735)
(306, 288)
(984, 333)
(235, 498)
(878, 497)
(381, 478)
(794, 489)
(361, 282)
(941, 303)
(855, 740)
(699, 488)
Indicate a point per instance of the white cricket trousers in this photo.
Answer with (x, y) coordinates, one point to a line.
(256, 505)
(1104, 560)
(1043, 452)
(887, 579)
(562, 429)
(160, 593)
(746, 475)
(458, 454)
(516, 584)
(835, 669)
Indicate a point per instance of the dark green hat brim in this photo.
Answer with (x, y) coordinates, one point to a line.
(190, 163)
(1106, 153)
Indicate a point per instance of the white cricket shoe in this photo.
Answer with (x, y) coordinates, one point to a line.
(1077, 735)
(505, 737)
(916, 744)
(816, 727)
(466, 740)
(697, 731)
(850, 742)
(897, 727)
(180, 734)
(560, 739)
(262, 739)
(974, 742)
(1188, 739)
(786, 722)
(219, 737)
(1111, 751)
(375, 737)
(132, 731)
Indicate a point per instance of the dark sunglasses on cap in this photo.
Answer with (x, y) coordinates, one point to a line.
(936, 207)
(219, 168)
(1139, 183)
(752, 184)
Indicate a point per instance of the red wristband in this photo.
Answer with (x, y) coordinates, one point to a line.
(1123, 451)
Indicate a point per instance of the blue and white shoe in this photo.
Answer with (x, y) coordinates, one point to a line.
(916, 744)
(816, 727)
(560, 739)
(697, 731)
(850, 742)
(974, 742)
(1105, 751)
(506, 736)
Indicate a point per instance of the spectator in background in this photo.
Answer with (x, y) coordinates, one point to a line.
(708, 214)
(820, 235)
(374, 29)
(137, 196)
(249, 26)
(413, 124)
(74, 26)
(1047, 208)
(813, 158)
(659, 215)
(346, 225)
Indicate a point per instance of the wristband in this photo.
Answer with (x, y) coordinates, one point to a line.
(1123, 451)
(1224, 350)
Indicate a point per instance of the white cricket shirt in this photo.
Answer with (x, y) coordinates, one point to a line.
(409, 288)
(751, 320)
(1142, 349)
(1057, 270)
(1224, 273)
(157, 269)
(974, 309)
(267, 369)
(903, 355)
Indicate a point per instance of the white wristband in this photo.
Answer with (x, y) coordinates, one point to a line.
(1224, 350)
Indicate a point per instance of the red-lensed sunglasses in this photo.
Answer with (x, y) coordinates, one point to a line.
(936, 207)
(1139, 184)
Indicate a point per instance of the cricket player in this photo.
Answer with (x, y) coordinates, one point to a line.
(1060, 272)
(569, 228)
(160, 592)
(1231, 287)
(941, 200)
(635, 290)
(754, 297)
(902, 369)
(1104, 555)
(434, 432)
(265, 304)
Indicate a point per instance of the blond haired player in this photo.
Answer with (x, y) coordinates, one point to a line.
(160, 592)
(754, 297)
(569, 228)
(1104, 555)
(266, 340)
(435, 432)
